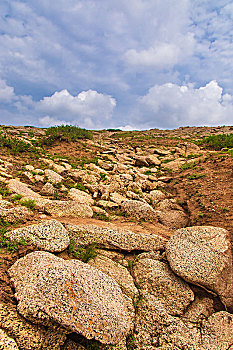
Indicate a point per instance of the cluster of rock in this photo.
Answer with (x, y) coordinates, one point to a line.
(141, 291)
(124, 180)
(154, 304)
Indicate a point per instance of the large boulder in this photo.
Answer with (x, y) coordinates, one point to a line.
(114, 238)
(70, 293)
(49, 235)
(155, 277)
(202, 255)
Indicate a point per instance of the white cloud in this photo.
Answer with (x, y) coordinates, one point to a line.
(171, 105)
(6, 92)
(162, 54)
(88, 109)
(48, 121)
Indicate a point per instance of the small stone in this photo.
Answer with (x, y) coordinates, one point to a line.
(67, 208)
(53, 177)
(47, 189)
(80, 196)
(138, 210)
(21, 188)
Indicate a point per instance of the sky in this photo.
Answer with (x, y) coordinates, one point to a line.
(98, 64)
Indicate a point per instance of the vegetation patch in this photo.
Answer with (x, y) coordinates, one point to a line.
(16, 146)
(83, 254)
(217, 142)
(64, 133)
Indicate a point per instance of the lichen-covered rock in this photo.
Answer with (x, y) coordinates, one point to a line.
(114, 238)
(73, 294)
(68, 208)
(80, 196)
(49, 235)
(118, 272)
(22, 189)
(138, 210)
(27, 335)
(7, 343)
(202, 255)
(156, 278)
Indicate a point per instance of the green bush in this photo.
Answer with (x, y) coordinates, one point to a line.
(83, 254)
(64, 133)
(217, 142)
(16, 146)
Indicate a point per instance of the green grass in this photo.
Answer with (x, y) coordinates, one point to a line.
(11, 246)
(16, 198)
(189, 165)
(4, 190)
(16, 146)
(217, 142)
(101, 216)
(195, 176)
(83, 254)
(64, 133)
(29, 203)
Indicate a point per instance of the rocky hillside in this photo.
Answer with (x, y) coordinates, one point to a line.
(116, 240)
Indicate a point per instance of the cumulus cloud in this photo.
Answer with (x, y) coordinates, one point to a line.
(6, 92)
(88, 109)
(171, 105)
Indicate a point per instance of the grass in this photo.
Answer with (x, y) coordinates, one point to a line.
(4, 190)
(11, 246)
(189, 165)
(29, 203)
(16, 146)
(83, 254)
(66, 133)
(16, 198)
(217, 142)
(195, 176)
(101, 216)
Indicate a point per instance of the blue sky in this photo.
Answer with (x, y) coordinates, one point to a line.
(134, 64)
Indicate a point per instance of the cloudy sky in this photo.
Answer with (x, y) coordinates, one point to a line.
(134, 64)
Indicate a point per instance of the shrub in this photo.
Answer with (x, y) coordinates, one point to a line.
(15, 146)
(64, 133)
(217, 142)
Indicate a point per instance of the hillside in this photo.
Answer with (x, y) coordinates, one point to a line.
(149, 214)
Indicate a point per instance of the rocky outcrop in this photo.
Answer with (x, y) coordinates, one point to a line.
(7, 343)
(202, 255)
(72, 294)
